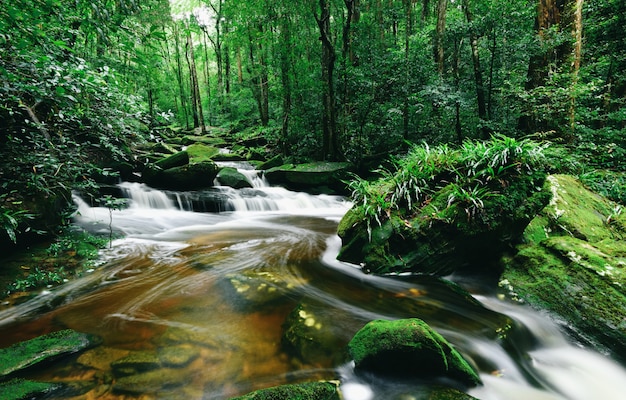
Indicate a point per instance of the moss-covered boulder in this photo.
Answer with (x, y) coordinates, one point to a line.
(229, 176)
(444, 210)
(43, 349)
(410, 348)
(301, 391)
(573, 263)
(190, 169)
(318, 177)
(442, 237)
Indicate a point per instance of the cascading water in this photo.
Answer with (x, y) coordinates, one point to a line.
(180, 282)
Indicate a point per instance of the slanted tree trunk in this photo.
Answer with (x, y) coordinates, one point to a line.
(329, 120)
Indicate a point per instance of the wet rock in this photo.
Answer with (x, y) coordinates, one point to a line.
(444, 393)
(176, 356)
(43, 349)
(319, 177)
(155, 381)
(18, 389)
(252, 289)
(573, 263)
(229, 176)
(101, 357)
(408, 347)
(175, 336)
(318, 334)
(136, 362)
(301, 391)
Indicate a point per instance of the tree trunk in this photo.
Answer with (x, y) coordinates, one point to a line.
(285, 76)
(179, 76)
(439, 35)
(577, 34)
(329, 146)
(196, 100)
(478, 74)
(408, 5)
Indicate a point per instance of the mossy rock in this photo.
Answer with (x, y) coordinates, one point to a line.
(43, 349)
(18, 389)
(275, 161)
(439, 238)
(301, 391)
(573, 263)
(315, 177)
(175, 160)
(409, 348)
(200, 153)
(155, 381)
(229, 176)
(188, 177)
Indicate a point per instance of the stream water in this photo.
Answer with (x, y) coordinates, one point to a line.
(179, 283)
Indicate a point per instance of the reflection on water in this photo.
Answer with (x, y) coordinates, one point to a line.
(193, 306)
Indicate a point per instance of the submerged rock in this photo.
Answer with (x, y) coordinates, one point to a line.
(318, 334)
(301, 391)
(573, 263)
(408, 347)
(257, 288)
(42, 349)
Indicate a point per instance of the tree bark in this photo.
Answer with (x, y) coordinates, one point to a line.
(439, 35)
(196, 100)
(478, 74)
(329, 120)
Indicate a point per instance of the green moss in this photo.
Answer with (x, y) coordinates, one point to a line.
(25, 354)
(18, 389)
(302, 391)
(408, 347)
(200, 152)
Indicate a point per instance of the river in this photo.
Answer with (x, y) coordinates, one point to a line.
(180, 281)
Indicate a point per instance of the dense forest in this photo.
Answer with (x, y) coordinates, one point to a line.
(84, 82)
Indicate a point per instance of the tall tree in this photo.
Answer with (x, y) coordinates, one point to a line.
(329, 124)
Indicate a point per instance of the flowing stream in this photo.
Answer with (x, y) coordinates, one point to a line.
(184, 283)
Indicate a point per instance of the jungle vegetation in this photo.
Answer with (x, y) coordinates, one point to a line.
(83, 82)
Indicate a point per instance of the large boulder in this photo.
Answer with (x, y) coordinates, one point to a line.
(573, 263)
(440, 237)
(190, 169)
(317, 177)
(409, 348)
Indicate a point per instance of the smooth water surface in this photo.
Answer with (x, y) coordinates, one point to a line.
(181, 291)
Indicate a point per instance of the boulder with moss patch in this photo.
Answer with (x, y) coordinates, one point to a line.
(410, 348)
(573, 263)
(190, 169)
(318, 177)
(301, 391)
